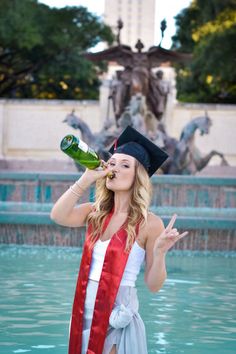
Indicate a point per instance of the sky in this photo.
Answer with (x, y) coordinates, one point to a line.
(164, 9)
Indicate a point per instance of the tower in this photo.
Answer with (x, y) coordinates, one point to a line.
(138, 17)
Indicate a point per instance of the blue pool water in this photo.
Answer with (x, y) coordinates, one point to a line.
(194, 312)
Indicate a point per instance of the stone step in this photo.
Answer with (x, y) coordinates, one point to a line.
(188, 217)
(176, 191)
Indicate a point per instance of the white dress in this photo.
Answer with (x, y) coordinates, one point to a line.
(126, 328)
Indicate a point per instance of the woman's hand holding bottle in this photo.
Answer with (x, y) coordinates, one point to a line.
(91, 176)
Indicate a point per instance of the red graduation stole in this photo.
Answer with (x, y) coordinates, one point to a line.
(112, 271)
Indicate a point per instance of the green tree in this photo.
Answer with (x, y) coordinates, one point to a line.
(41, 47)
(207, 28)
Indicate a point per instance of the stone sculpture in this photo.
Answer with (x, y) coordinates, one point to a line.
(185, 157)
(137, 76)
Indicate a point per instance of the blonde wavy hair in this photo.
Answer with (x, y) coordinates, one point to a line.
(139, 203)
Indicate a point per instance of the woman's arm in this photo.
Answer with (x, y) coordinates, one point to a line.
(65, 212)
(159, 241)
(155, 272)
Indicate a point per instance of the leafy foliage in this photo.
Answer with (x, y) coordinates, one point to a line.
(208, 29)
(40, 51)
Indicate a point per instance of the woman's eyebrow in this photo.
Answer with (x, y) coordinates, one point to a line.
(112, 158)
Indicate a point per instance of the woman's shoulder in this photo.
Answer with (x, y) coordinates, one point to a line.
(152, 227)
(153, 220)
(155, 226)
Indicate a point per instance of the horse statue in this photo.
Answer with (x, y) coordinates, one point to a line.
(185, 157)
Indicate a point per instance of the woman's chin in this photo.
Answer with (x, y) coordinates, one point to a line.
(108, 186)
(116, 186)
(111, 188)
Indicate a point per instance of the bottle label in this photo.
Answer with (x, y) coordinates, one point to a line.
(83, 146)
(92, 152)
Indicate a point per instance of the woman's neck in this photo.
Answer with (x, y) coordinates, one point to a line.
(121, 202)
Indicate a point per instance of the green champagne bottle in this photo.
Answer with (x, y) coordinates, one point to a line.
(81, 153)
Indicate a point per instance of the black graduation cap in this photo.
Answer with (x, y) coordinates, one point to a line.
(132, 143)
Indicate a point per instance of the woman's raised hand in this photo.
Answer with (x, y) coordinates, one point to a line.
(91, 176)
(168, 237)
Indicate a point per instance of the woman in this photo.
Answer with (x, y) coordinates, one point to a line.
(121, 234)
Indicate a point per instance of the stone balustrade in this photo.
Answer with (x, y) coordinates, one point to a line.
(206, 206)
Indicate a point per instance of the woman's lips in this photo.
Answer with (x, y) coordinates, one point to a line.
(111, 175)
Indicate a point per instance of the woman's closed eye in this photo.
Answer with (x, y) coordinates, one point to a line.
(111, 163)
(123, 165)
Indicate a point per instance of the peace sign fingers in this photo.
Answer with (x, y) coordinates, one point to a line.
(171, 232)
(168, 237)
(171, 223)
(182, 235)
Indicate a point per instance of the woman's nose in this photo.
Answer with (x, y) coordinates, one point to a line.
(115, 168)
